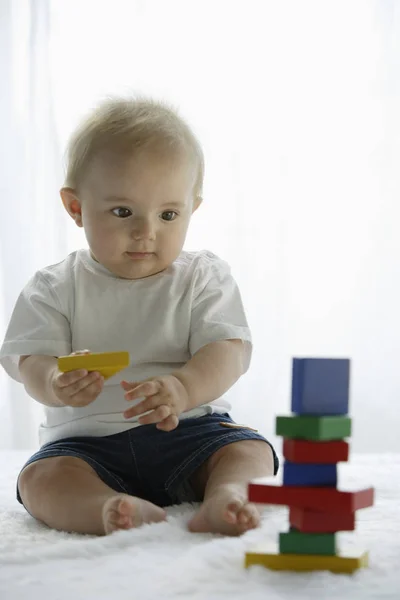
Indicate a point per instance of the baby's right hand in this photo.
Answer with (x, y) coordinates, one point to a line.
(76, 388)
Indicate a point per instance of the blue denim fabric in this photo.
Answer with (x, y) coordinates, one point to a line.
(153, 464)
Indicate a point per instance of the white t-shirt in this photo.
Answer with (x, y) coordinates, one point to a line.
(161, 320)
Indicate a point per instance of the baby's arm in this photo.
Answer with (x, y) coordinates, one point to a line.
(45, 383)
(36, 372)
(212, 371)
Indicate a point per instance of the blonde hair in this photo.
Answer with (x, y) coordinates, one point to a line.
(131, 126)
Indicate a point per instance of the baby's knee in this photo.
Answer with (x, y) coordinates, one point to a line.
(245, 452)
(33, 476)
(260, 454)
(251, 449)
(40, 474)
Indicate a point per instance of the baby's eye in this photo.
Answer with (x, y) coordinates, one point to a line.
(168, 215)
(121, 212)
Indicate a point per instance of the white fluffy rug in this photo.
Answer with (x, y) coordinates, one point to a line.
(164, 561)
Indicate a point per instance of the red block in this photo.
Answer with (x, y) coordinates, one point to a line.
(324, 499)
(303, 451)
(311, 521)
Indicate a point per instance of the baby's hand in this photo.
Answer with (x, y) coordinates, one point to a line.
(166, 397)
(76, 388)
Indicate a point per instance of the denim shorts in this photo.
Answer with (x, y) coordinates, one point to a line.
(153, 464)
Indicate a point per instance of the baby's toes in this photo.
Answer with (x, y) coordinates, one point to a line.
(232, 511)
(124, 521)
(248, 517)
(124, 508)
(119, 523)
(124, 514)
(244, 516)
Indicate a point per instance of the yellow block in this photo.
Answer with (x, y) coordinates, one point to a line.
(346, 561)
(106, 363)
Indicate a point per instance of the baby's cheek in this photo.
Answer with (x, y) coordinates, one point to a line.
(110, 236)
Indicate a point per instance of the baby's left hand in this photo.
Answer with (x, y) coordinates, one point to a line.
(166, 397)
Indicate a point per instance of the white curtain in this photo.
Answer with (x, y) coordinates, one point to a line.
(31, 228)
(296, 105)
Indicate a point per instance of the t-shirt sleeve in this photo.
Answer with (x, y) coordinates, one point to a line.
(217, 309)
(37, 326)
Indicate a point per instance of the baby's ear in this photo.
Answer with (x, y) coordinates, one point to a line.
(72, 204)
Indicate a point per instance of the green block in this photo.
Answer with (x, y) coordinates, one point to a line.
(314, 428)
(296, 542)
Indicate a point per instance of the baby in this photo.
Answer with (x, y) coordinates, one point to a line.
(113, 454)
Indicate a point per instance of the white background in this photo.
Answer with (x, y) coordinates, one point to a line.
(296, 105)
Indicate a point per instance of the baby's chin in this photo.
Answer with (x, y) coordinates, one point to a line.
(138, 269)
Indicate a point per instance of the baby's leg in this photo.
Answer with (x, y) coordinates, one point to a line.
(67, 494)
(223, 479)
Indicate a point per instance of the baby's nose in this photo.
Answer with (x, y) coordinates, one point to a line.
(143, 229)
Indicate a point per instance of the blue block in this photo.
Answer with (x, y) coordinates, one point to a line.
(306, 474)
(320, 386)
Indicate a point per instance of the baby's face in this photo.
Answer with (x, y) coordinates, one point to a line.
(136, 212)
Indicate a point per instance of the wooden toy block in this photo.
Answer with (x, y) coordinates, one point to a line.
(309, 475)
(320, 386)
(312, 521)
(296, 542)
(304, 451)
(106, 363)
(345, 561)
(313, 428)
(265, 490)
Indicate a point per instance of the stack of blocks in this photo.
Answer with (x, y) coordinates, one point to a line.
(313, 445)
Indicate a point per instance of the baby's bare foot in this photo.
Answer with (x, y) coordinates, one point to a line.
(227, 511)
(125, 512)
